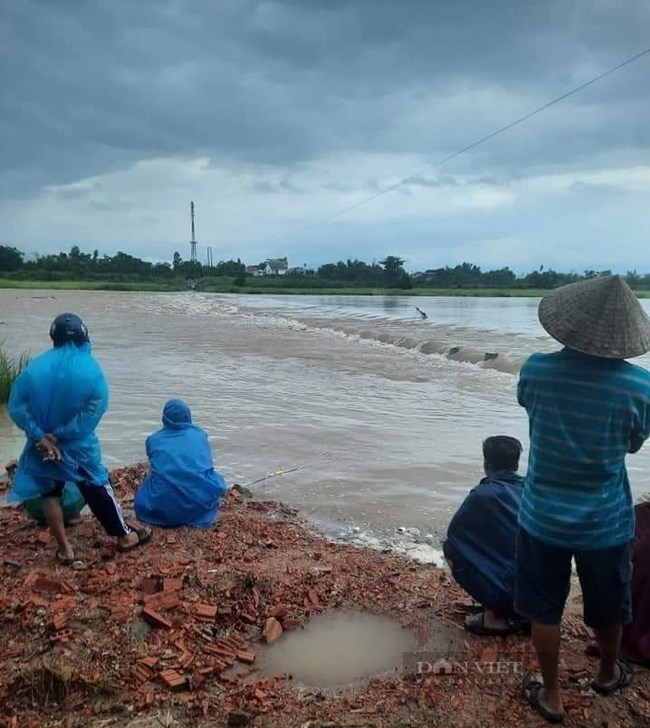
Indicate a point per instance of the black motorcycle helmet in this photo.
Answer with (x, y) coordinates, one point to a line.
(68, 327)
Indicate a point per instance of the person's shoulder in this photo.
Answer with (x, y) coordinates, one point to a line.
(484, 491)
(40, 362)
(540, 360)
(637, 375)
(635, 370)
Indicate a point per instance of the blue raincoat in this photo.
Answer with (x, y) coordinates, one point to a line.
(62, 392)
(182, 487)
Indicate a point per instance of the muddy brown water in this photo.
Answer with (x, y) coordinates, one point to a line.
(341, 648)
(355, 410)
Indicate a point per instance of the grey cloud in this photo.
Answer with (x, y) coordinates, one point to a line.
(91, 86)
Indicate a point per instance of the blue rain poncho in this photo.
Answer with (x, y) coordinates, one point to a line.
(62, 392)
(182, 487)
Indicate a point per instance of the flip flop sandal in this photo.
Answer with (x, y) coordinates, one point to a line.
(476, 625)
(624, 679)
(143, 537)
(532, 686)
(66, 560)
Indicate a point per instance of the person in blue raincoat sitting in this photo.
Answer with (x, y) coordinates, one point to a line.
(182, 487)
(481, 539)
(58, 402)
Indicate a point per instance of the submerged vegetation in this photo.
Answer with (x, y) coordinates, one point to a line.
(10, 368)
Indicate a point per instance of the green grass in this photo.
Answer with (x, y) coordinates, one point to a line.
(92, 285)
(226, 284)
(10, 368)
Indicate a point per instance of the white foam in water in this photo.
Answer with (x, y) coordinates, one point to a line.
(404, 542)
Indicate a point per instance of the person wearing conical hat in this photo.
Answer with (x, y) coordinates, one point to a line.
(587, 408)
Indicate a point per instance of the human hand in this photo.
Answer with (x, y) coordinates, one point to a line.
(48, 449)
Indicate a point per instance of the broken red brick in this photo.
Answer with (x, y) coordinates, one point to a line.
(272, 630)
(51, 586)
(222, 651)
(149, 662)
(63, 604)
(206, 612)
(172, 585)
(170, 538)
(172, 679)
(278, 611)
(290, 623)
(313, 598)
(197, 681)
(251, 619)
(162, 600)
(62, 636)
(58, 622)
(142, 673)
(155, 618)
(186, 659)
(248, 658)
(44, 537)
(150, 586)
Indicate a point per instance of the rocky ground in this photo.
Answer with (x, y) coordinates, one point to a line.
(151, 638)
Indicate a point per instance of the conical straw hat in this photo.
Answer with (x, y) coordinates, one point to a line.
(600, 316)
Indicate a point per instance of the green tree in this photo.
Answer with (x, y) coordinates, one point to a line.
(10, 258)
(393, 266)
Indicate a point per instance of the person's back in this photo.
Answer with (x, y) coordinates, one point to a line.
(63, 392)
(182, 487)
(58, 402)
(587, 408)
(586, 413)
(481, 538)
(484, 529)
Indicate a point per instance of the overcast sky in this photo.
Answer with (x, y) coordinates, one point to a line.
(114, 114)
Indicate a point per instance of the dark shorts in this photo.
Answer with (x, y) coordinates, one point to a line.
(100, 499)
(478, 584)
(543, 581)
(56, 491)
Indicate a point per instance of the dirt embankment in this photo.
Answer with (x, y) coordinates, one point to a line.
(169, 635)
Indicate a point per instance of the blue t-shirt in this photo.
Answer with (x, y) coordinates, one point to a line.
(586, 413)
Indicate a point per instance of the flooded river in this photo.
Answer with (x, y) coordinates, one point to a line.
(356, 410)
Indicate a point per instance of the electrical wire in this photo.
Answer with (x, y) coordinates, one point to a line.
(483, 139)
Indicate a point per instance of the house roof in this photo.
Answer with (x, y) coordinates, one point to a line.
(277, 263)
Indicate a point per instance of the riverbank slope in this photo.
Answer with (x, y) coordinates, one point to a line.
(171, 634)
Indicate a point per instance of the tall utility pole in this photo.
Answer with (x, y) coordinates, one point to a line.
(193, 240)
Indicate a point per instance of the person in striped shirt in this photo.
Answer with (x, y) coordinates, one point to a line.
(587, 408)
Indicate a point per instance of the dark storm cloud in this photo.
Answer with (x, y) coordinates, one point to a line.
(91, 86)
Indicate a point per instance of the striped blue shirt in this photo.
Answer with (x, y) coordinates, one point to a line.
(586, 413)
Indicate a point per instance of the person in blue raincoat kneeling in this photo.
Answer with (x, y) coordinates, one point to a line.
(182, 487)
(58, 402)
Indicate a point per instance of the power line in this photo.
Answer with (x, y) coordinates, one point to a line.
(484, 139)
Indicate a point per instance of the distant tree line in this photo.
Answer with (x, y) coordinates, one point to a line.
(387, 273)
